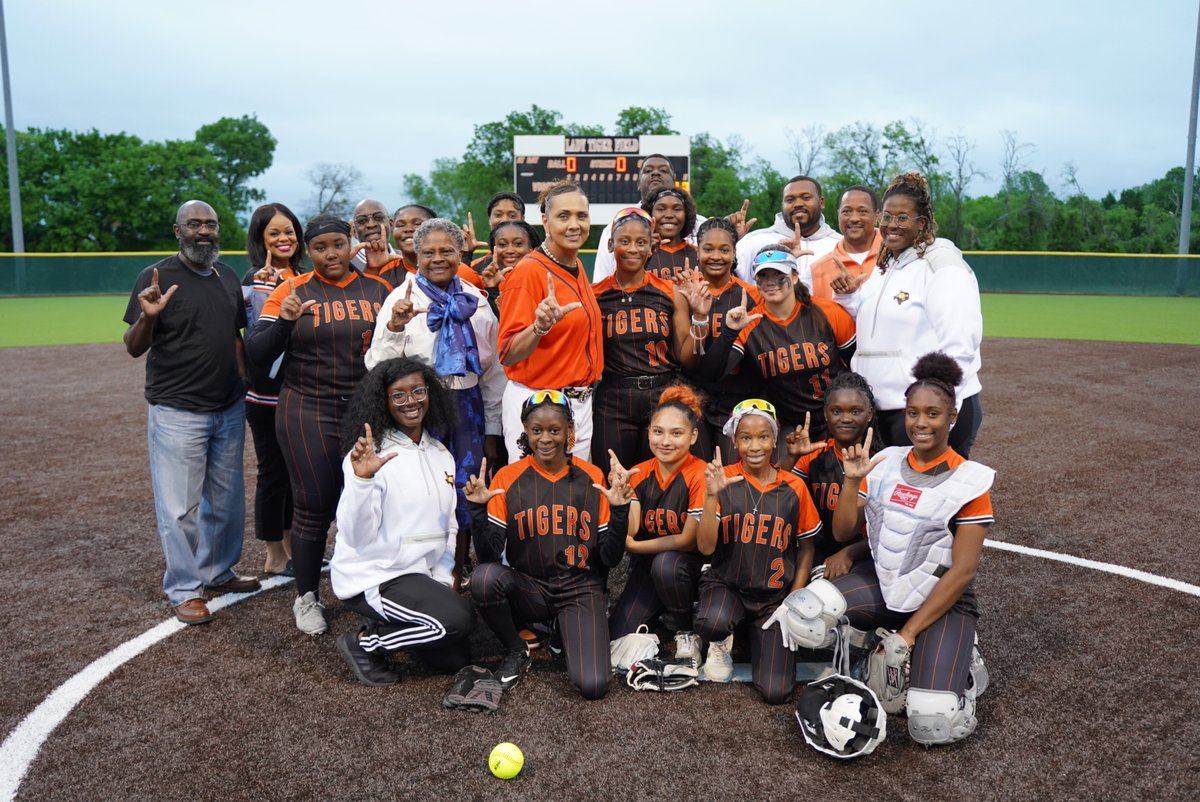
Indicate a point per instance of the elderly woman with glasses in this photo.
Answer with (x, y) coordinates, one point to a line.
(921, 297)
(437, 317)
(793, 344)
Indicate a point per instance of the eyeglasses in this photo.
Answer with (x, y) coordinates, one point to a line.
(200, 225)
(400, 397)
(378, 217)
(544, 396)
(898, 219)
(755, 403)
(769, 283)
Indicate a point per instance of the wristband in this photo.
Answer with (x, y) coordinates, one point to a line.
(703, 322)
(538, 331)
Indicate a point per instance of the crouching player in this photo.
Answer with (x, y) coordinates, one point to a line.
(926, 511)
(757, 525)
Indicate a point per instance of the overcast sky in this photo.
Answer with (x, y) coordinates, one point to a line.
(1101, 84)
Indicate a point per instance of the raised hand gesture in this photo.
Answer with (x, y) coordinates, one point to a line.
(378, 255)
(715, 479)
(739, 220)
(476, 488)
(549, 311)
(738, 318)
(798, 443)
(403, 310)
(617, 474)
(844, 283)
(856, 460)
(492, 275)
(267, 274)
(694, 287)
(152, 299)
(365, 461)
(796, 244)
(468, 232)
(290, 308)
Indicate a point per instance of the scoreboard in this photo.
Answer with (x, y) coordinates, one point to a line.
(606, 167)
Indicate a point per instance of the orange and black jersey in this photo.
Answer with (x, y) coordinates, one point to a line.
(668, 501)
(668, 261)
(823, 473)
(637, 326)
(759, 528)
(549, 525)
(325, 347)
(722, 392)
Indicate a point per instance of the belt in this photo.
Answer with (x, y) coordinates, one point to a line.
(644, 382)
(579, 393)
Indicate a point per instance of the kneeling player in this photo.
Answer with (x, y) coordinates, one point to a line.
(757, 526)
(550, 516)
(927, 511)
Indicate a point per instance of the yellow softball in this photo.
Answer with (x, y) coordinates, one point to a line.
(506, 761)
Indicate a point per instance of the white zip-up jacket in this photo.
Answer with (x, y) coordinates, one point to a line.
(400, 521)
(418, 341)
(915, 306)
(820, 243)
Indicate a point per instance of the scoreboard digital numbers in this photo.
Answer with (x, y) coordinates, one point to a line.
(606, 167)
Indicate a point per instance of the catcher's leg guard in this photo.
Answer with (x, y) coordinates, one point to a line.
(939, 717)
(813, 612)
(979, 672)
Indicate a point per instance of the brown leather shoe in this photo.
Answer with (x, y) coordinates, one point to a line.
(239, 584)
(193, 611)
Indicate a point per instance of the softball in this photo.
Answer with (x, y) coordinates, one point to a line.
(506, 761)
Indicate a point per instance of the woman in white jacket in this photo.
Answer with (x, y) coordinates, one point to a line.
(921, 297)
(393, 561)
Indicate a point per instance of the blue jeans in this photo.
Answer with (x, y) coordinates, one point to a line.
(199, 494)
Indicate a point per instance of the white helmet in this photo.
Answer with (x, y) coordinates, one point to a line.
(841, 717)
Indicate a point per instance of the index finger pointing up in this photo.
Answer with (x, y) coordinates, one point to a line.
(154, 277)
(549, 285)
(743, 297)
(291, 287)
(408, 292)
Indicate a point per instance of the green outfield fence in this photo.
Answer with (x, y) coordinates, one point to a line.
(998, 271)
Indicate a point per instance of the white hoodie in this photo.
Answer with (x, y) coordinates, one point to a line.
(915, 306)
(400, 521)
(820, 243)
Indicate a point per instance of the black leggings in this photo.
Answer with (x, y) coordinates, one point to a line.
(272, 487)
(962, 436)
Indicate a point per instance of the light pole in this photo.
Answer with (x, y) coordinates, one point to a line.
(14, 183)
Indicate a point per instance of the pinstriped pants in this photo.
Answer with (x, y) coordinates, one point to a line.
(772, 665)
(941, 656)
(417, 613)
(656, 581)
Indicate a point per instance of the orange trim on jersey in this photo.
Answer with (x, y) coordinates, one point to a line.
(810, 519)
(825, 268)
(975, 508)
(839, 320)
(683, 244)
(806, 460)
(610, 282)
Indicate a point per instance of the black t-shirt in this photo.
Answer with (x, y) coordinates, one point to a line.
(192, 361)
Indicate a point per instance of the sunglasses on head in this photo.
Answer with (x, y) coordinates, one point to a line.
(755, 403)
(548, 396)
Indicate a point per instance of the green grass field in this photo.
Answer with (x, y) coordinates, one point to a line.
(97, 319)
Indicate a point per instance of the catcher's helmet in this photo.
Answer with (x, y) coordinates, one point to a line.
(841, 717)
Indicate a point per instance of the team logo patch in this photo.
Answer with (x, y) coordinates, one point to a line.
(906, 496)
(449, 478)
(901, 297)
(893, 676)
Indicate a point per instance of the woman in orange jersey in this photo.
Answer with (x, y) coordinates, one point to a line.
(674, 215)
(646, 341)
(716, 241)
(664, 566)
(275, 247)
(795, 344)
(550, 328)
(757, 527)
(320, 323)
(549, 516)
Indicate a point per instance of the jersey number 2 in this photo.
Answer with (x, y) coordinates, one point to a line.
(776, 580)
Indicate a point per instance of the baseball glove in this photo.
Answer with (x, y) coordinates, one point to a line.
(887, 671)
(628, 649)
(662, 675)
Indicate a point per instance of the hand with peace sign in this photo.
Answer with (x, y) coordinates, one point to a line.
(856, 460)
(403, 310)
(844, 283)
(378, 255)
(796, 244)
(549, 311)
(152, 299)
(715, 479)
(738, 318)
(797, 440)
(738, 218)
(290, 308)
(468, 232)
(364, 459)
(476, 488)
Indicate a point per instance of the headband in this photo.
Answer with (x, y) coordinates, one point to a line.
(668, 191)
(333, 226)
(751, 406)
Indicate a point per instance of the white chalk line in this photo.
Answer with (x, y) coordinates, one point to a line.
(23, 744)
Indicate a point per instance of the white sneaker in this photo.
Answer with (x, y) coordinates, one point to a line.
(719, 665)
(310, 615)
(687, 647)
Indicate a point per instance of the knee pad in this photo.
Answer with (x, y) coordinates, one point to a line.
(939, 717)
(813, 612)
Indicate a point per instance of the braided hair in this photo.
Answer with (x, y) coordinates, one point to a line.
(528, 409)
(911, 185)
(530, 233)
(855, 383)
(719, 224)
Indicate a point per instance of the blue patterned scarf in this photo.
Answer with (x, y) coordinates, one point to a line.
(456, 352)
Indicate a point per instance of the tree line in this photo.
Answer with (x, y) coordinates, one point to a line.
(90, 191)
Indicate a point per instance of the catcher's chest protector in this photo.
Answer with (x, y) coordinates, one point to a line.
(908, 523)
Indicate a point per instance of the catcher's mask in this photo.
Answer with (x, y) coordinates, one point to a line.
(841, 717)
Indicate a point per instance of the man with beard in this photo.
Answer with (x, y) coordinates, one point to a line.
(655, 173)
(186, 313)
(371, 224)
(858, 218)
(800, 219)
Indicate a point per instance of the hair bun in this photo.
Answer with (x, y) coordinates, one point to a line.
(936, 366)
(681, 394)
